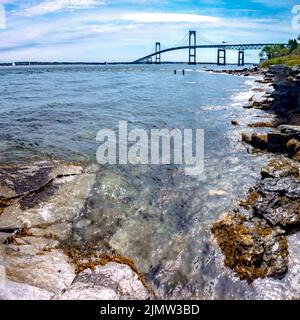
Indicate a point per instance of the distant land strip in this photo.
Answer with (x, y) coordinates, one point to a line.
(35, 63)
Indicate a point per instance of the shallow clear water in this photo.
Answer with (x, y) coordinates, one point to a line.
(155, 215)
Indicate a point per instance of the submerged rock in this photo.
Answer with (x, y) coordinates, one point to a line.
(251, 248)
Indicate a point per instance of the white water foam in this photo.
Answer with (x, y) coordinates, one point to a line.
(243, 97)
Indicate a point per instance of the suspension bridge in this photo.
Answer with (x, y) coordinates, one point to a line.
(192, 47)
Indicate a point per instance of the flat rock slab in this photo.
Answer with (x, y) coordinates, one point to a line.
(16, 181)
(60, 207)
(110, 282)
(36, 263)
(21, 291)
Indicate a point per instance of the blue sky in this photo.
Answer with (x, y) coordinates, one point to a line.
(112, 30)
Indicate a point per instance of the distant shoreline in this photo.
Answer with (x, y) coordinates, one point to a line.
(35, 63)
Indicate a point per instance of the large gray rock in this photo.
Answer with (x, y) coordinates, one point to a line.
(36, 262)
(55, 212)
(110, 282)
(278, 210)
(20, 180)
(22, 291)
(278, 200)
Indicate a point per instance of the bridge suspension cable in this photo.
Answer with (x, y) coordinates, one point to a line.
(204, 39)
(182, 41)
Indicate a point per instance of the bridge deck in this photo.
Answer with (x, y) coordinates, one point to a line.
(256, 46)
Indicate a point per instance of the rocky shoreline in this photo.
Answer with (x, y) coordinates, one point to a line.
(253, 237)
(40, 202)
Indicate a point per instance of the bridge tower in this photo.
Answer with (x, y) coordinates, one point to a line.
(157, 56)
(241, 59)
(192, 47)
(221, 57)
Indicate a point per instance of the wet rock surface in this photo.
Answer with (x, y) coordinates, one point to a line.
(254, 238)
(251, 248)
(41, 203)
(246, 72)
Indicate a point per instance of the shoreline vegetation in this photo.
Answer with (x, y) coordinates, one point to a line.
(278, 54)
(38, 262)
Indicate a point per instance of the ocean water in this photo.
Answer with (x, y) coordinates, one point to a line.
(155, 215)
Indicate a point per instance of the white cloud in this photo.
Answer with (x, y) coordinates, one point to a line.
(103, 34)
(147, 17)
(50, 6)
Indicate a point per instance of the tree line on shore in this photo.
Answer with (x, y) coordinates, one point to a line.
(282, 54)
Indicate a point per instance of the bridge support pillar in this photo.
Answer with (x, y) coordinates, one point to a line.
(241, 59)
(221, 57)
(157, 49)
(192, 47)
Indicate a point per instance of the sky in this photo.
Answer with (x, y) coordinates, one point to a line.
(112, 30)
